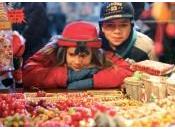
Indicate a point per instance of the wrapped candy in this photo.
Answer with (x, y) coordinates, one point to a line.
(6, 52)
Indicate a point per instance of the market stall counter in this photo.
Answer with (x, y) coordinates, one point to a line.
(82, 108)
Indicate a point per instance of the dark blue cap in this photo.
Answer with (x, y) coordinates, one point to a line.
(111, 10)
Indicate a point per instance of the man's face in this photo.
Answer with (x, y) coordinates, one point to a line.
(116, 31)
(78, 61)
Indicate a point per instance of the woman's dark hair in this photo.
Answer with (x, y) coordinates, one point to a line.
(61, 56)
(98, 57)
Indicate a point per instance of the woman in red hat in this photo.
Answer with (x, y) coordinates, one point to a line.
(75, 61)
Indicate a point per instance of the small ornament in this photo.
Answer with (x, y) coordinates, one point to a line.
(153, 97)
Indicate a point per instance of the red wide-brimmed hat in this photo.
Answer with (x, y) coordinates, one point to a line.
(77, 32)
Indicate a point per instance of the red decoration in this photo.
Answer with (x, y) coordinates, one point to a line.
(16, 15)
(159, 48)
(170, 30)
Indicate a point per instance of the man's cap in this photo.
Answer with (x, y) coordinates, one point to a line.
(112, 10)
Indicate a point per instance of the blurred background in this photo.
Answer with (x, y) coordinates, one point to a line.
(46, 19)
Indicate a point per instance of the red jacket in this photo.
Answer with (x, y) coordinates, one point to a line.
(41, 71)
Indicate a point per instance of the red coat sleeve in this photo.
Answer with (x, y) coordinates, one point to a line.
(41, 71)
(112, 77)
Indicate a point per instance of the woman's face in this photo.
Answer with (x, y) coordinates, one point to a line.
(78, 61)
(116, 31)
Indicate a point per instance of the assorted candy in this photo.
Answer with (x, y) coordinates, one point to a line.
(82, 109)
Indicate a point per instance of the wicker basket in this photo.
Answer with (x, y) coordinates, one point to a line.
(155, 85)
(133, 87)
(170, 89)
(149, 85)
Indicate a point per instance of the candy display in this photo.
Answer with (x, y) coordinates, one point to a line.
(84, 108)
(6, 51)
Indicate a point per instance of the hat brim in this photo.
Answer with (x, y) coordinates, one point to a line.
(117, 16)
(74, 43)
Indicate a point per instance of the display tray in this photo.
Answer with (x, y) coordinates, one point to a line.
(109, 97)
(100, 95)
